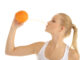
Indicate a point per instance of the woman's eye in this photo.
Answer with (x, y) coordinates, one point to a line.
(53, 21)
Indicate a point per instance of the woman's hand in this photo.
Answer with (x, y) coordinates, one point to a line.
(16, 24)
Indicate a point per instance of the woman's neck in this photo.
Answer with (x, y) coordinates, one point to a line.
(57, 40)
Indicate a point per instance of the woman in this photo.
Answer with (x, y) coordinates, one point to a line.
(59, 27)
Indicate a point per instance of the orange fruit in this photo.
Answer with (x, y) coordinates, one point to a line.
(21, 16)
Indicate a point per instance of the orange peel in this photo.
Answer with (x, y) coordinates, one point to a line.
(21, 16)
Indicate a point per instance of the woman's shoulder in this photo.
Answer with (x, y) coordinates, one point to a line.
(73, 55)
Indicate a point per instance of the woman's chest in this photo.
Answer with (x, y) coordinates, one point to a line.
(54, 53)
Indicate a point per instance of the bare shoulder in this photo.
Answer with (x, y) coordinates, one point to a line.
(37, 46)
(38, 43)
(73, 55)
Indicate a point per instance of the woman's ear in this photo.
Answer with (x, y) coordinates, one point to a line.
(62, 28)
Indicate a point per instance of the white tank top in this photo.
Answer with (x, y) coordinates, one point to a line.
(41, 55)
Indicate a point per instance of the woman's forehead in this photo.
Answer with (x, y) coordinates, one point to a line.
(56, 17)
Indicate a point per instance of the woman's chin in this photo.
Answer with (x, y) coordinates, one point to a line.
(46, 30)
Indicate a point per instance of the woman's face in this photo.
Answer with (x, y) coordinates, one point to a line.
(54, 26)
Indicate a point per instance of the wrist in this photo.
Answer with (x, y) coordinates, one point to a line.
(14, 26)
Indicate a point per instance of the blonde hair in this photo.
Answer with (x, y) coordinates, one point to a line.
(67, 23)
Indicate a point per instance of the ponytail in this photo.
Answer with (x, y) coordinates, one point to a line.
(74, 42)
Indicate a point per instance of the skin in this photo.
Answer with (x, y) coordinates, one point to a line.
(54, 50)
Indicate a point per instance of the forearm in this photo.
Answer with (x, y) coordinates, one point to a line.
(10, 41)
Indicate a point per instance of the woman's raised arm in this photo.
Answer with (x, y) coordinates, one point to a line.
(21, 50)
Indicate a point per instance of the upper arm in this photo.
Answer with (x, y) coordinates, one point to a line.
(73, 55)
(26, 50)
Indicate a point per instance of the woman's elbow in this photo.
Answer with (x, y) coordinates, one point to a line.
(9, 53)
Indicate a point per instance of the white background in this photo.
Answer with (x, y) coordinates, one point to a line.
(34, 31)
